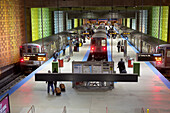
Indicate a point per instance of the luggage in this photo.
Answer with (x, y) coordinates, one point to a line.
(58, 91)
(75, 48)
(124, 71)
(62, 87)
(122, 48)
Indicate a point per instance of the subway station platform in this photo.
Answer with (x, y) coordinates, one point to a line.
(150, 92)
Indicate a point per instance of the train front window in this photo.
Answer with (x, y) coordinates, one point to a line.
(161, 51)
(29, 50)
(35, 50)
(93, 42)
(103, 42)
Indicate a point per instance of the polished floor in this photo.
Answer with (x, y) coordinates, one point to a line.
(148, 93)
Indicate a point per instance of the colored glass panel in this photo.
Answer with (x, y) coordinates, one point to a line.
(165, 12)
(128, 22)
(58, 21)
(36, 23)
(75, 22)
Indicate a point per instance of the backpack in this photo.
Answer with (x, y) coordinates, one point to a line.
(62, 87)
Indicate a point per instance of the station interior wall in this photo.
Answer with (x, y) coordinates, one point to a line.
(12, 24)
(12, 31)
(149, 21)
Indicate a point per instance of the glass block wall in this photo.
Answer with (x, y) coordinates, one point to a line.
(128, 22)
(143, 21)
(58, 21)
(80, 22)
(75, 22)
(134, 24)
(155, 21)
(165, 12)
(69, 24)
(12, 31)
(36, 23)
(163, 22)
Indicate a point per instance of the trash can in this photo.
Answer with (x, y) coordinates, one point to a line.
(61, 63)
(136, 68)
(130, 62)
(54, 65)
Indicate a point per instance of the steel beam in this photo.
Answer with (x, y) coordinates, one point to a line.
(86, 77)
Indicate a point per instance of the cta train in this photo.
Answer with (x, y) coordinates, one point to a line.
(98, 50)
(32, 55)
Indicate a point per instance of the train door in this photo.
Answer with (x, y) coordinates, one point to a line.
(167, 57)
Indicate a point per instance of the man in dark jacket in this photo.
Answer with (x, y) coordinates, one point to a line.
(121, 65)
(118, 46)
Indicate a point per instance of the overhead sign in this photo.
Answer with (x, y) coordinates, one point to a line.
(149, 57)
(126, 33)
(114, 33)
(86, 33)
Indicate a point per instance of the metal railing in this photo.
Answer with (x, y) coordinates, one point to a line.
(32, 109)
(64, 110)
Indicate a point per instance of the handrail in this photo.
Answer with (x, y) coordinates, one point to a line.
(64, 110)
(32, 109)
(142, 110)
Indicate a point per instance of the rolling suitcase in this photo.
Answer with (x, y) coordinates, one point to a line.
(62, 87)
(124, 71)
(58, 91)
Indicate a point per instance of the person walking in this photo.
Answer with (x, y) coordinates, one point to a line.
(55, 82)
(55, 55)
(64, 49)
(118, 46)
(121, 66)
(50, 84)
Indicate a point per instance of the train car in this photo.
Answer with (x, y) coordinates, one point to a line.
(98, 49)
(32, 55)
(164, 49)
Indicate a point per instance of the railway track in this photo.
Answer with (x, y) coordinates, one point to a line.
(9, 81)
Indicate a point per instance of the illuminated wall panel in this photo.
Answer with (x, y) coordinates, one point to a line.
(69, 24)
(165, 12)
(155, 21)
(12, 30)
(134, 24)
(163, 22)
(75, 23)
(143, 19)
(47, 22)
(58, 21)
(128, 22)
(80, 22)
(36, 23)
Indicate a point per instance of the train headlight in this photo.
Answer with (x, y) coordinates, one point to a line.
(26, 58)
(41, 58)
